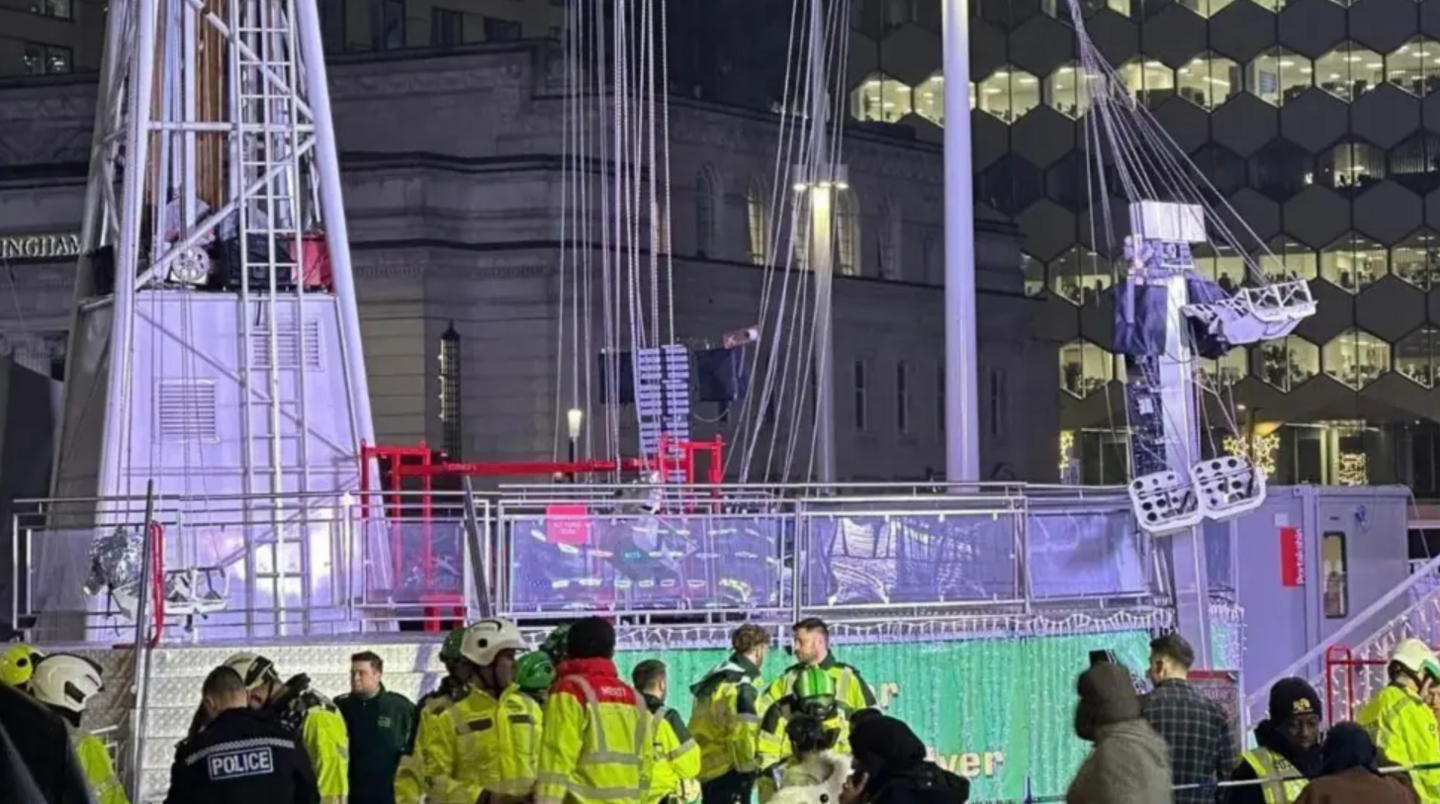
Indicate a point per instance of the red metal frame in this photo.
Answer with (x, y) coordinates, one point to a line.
(403, 462)
(1341, 656)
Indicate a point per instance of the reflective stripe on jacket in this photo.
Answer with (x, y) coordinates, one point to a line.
(596, 746)
(1404, 728)
(677, 757)
(484, 744)
(411, 786)
(851, 695)
(1275, 769)
(99, 771)
(322, 733)
(725, 719)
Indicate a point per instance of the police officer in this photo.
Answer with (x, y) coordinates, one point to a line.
(242, 756)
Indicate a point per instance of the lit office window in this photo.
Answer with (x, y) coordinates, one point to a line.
(929, 99)
(1221, 264)
(1417, 356)
(450, 421)
(1287, 363)
(1349, 71)
(1288, 259)
(1085, 368)
(1007, 93)
(1227, 370)
(1415, 66)
(880, 98)
(1417, 259)
(1080, 275)
(1033, 272)
(1148, 80)
(1356, 358)
(1350, 166)
(1278, 76)
(1353, 262)
(1066, 90)
(1208, 80)
(847, 233)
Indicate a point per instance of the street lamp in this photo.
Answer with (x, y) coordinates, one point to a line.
(820, 187)
(574, 419)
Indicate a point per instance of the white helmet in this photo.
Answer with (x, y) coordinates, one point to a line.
(253, 668)
(66, 681)
(1417, 657)
(484, 641)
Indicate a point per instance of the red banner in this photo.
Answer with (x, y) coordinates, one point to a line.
(1292, 557)
(567, 524)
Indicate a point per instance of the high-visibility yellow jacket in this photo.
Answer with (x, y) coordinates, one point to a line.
(725, 718)
(1274, 769)
(321, 729)
(596, 746)
(410, 783)
(1404, 728)
(99, 770)
(675, 773)
(484, 743)
(851, 695)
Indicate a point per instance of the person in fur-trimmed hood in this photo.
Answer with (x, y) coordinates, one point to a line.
(816, 779)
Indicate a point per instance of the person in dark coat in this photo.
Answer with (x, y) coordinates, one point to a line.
(1288, 744)
(37, 764)
(890, 767)
(1130, 763)
(1350, 774)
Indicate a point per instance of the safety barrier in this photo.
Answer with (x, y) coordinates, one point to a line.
(301, 565)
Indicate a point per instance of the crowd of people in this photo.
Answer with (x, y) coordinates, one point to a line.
(558, 725)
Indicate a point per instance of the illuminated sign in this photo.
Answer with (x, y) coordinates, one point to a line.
(39, 246)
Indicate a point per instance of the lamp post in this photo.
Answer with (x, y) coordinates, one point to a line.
(574, 420)
(821, 189)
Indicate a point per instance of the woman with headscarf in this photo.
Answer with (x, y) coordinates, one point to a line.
(1130, 763)
(891, 768)
(1350, 763)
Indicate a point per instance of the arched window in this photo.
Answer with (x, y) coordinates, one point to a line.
(847, 233)
(891, 237)
(707, 207)
(759, 222)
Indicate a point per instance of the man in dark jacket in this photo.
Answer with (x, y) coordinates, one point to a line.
(242, 756)
(1349, 774)
(380, 724)
(890, 767)
(35, 754)
(1288, 751)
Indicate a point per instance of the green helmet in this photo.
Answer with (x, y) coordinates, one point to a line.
(814, 691)
(534, 672)
(554, 644)
(450, 651)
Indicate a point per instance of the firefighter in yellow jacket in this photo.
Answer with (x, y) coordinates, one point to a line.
(852, 694)
(487, 743)
(312, 716)
(674, 778)
(596, 748)
(65, 683)
(725, 719)
(410, 784)
(1401, 723)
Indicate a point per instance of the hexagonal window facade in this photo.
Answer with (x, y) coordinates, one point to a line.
(1288, 259)
(928, 98)
(1205, 8)
(1033, 271)
(1289, 362)
(1148, 80)
(880, 98)
(1349, 71)
(1008, 93)
(1356, 358)
(1065, 90)
(1085, 368)
(1353, 263)
(1208, 80)
(1222, 264)
(1278, 76)
(1121, 7)
(1350, 167)
(1415, 66)
(1222, 167)
(1281, 169)
(1066, 180)
(1417, 259)
(1417, 356)
(1228, 370)
(1080, 275)
(1415, 163)
(1010, 185)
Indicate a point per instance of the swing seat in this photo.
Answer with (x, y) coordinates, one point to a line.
(194, 591)
(1228, 487)
(1164, 503)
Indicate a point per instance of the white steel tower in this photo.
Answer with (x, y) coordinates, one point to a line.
(216, 343)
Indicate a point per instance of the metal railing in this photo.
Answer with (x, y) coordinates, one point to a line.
(314, 564)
